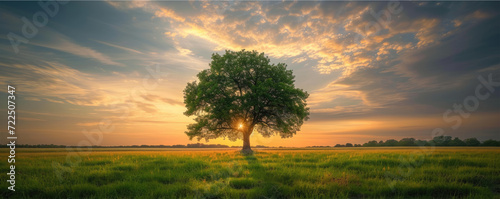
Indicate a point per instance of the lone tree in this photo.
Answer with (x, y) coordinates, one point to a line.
(242, 93)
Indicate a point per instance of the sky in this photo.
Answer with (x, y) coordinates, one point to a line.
(113, 72)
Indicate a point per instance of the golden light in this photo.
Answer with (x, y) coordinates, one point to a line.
(241, 126)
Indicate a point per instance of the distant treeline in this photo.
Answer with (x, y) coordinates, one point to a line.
(197, 145)
(436, 141)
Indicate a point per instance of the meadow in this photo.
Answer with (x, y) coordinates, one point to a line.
(409, 172)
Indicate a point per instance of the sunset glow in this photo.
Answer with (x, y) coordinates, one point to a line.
(374, 70)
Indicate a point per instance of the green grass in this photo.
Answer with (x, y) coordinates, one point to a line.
(296, 173)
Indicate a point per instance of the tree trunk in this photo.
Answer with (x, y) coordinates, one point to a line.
(246, 141)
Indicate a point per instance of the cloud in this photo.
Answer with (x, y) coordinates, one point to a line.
(156, 98)
(386, 71)
(62, 43)
(423, 81)
(395, 80)
(47, 37)
(334, 34)
(120, 47)
(57, 83)
(459, 56)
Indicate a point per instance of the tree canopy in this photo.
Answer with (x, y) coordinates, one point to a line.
(243, 92)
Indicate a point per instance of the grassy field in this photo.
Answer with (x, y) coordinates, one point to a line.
(294, 173)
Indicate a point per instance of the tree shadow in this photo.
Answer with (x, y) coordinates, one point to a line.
(266, 182)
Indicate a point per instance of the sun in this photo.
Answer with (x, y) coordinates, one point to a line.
(240, 126)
